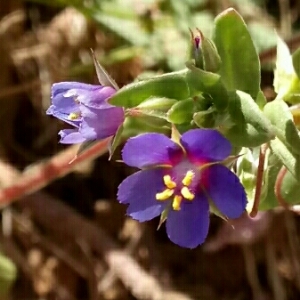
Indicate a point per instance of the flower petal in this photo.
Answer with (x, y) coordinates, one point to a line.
(225, 190)
(189, 226)
(100, 123)
(151, 149)
(96, 98)
(71, 136)
(63, 116)
(62, 103)
(139, 190)
(203, 144)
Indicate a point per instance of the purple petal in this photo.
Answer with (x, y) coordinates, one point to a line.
(60, 102)
(151, 149)
(189, 226)
(71, 136)
(100, 123)
(63, 116)
(226, 191)
(139, 190)
(203, 144)
(96, 98)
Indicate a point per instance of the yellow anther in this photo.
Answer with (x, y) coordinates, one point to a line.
(176, 202)
(166, 194)
(186, 193)
(73, 116)
(169, 183)
(187, 180)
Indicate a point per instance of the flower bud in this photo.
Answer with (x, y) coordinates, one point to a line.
(205, 53)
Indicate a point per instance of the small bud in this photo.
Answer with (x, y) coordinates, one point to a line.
(205, 53)
(196, 52)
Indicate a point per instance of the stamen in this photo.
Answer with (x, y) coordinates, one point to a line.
(73, 116)
(169, 183)
(187, 180)
(187, 194)
(166, 194)
(176, 202)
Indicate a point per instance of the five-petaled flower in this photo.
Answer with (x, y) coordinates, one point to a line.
(85, 107)
(181, 180)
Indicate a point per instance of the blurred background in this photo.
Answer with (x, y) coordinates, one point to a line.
(72, 240)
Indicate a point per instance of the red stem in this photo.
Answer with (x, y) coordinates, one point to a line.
(40, 175)
(277, 187)
(259, 179)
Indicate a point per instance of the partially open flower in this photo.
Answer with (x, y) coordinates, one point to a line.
(180, 181)
(85, 107)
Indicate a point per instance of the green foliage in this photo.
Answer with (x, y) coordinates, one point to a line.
(172, 86)
(240, 68)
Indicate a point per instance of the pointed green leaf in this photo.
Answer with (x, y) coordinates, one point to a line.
(171, 86)
(290, 189)
(261, 100)
(163, 104)
(240, 68)
(270, 200)
(290, 160)
(115, 142)
(102, 75)
(282, 119)
(181, 112)
(252, 126)
(211, 57)
(209, 83)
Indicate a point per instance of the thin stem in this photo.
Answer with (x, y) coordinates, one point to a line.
(259, 179)
(42, 174)
(277, 187)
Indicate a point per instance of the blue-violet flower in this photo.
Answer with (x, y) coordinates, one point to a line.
(85, 107)
(180, 181)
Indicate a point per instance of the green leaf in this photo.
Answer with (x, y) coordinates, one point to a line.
(171, 86)
(163, 104)
(103, 77)
(211, 57)
(290, 189)
(240, 69)
(181, 112)
(270, 200)
(261, 100)
(115, 142)
(282, 119)
(137, 125)
(290, 160)
(205, 119)
(200, 81)
(252, 127)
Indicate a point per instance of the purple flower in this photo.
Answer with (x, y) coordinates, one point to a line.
(85, 107)
(181, 181)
